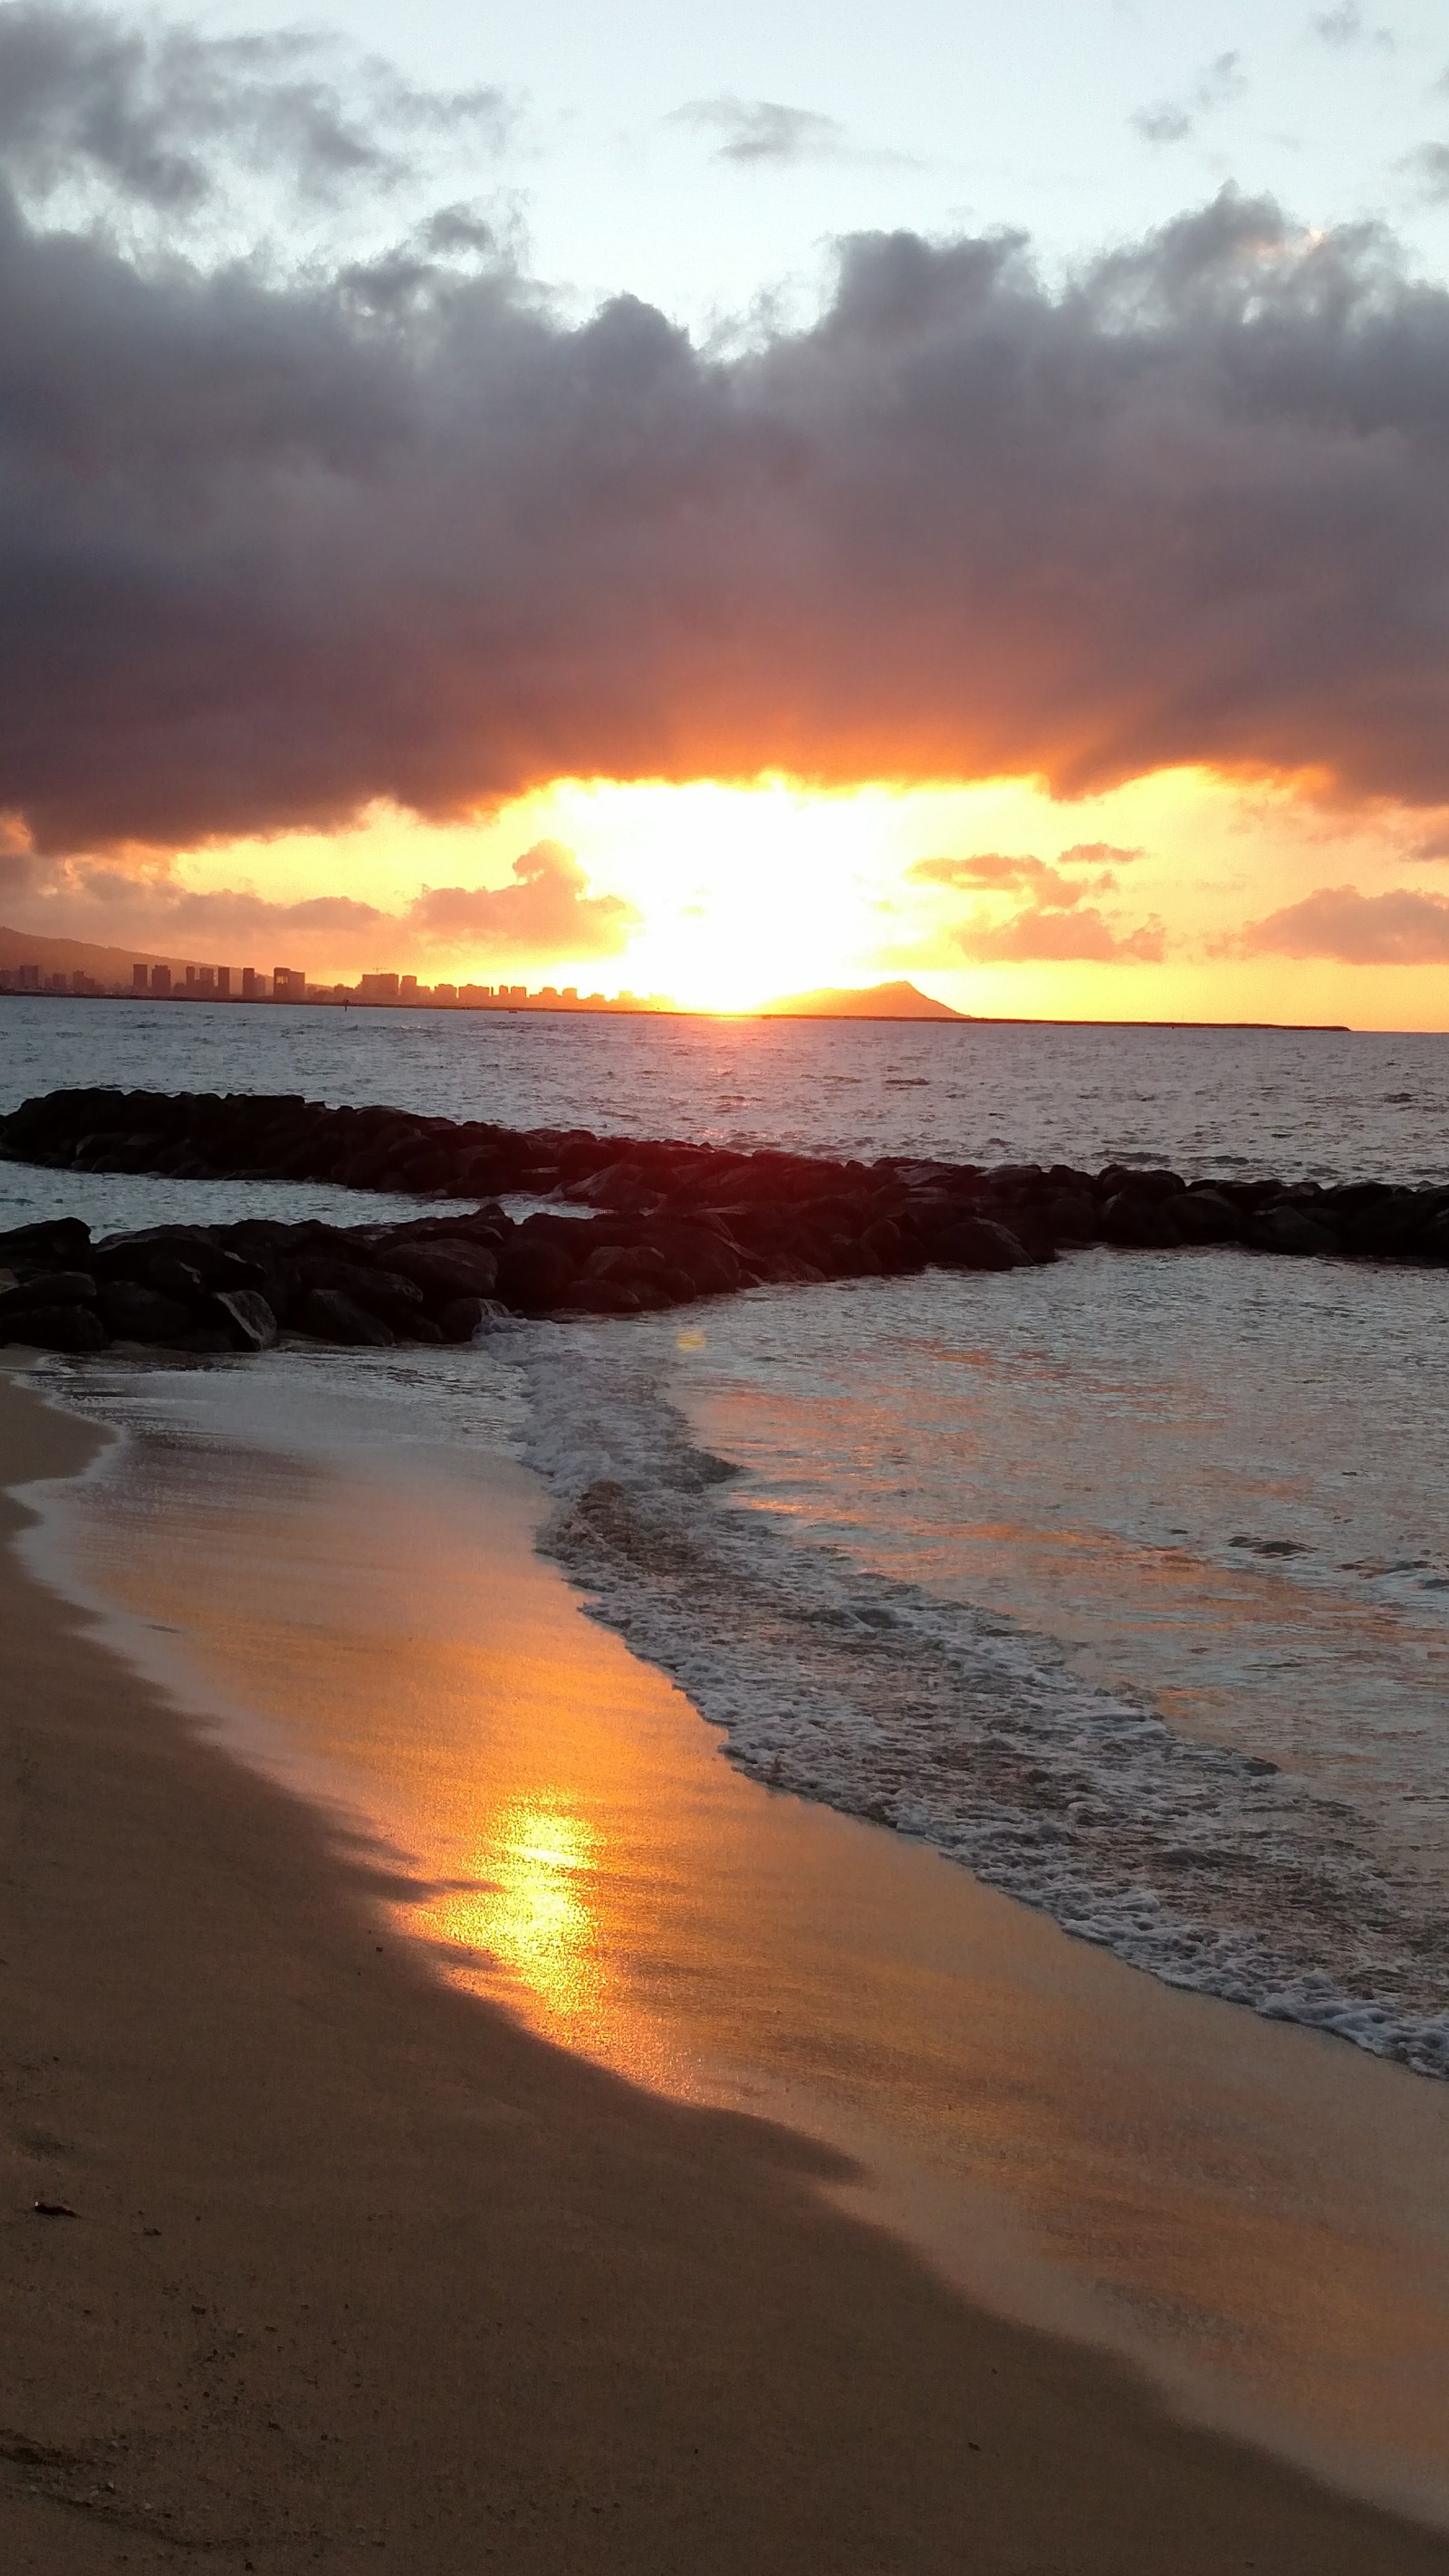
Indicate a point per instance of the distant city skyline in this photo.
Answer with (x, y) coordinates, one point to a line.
(287, 984)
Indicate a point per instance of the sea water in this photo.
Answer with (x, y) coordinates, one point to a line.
(1123, 1582)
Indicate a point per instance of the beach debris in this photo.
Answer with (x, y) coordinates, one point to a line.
(54, 2209)
(636, 1225)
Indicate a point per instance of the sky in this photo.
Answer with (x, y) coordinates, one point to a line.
(726, 503)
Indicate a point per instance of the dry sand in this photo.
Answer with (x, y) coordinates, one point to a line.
(363, 2276)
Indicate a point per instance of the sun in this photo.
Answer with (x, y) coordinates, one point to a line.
(745, 893)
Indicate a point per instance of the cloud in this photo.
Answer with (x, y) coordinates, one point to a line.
(1346, 25)
(995, 869)
(1036, 935)
(1056, 921)
(1400, 928)
(1172, 120)
(1431, 844)
(155, 113)
(1429, 164)
(273, 548)
(755, 130)
(547, 912)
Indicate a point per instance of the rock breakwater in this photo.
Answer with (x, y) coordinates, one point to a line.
(650, 1224)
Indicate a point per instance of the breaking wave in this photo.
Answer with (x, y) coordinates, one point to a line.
(1209, 1868)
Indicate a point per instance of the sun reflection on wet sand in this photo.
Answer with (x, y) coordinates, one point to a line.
(584, 1857)
(531, 1913)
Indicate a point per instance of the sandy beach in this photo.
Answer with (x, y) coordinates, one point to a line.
(363, 2274)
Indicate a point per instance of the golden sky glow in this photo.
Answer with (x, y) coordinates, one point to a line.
(745, 893)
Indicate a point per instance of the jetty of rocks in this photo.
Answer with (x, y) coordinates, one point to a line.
(653, 1224)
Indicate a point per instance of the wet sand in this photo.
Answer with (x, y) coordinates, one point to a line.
(366, 2273)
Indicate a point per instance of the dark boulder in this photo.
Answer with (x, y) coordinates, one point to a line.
(627, 1264)
(427, 1172)
(1203, 1216)
(59, 1239)
(600, 1297)
(169, 1277)
(1069, 1216)
(1121, 1180)
(1382, 1227)
(708, 1260)
(327, 1315)
(1139, 1224)
(1289, 1229)
(397, 1302)
(51, 1288)
(175, 1260)
(467, 1317)
(132, 1313)
(244, 1314)
(446, 1269)
(977, 1243)
(624, 1187)
(534, 1272)
(55, 1328)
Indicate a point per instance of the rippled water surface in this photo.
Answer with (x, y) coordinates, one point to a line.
(1203, 1099)
(1124, 1581)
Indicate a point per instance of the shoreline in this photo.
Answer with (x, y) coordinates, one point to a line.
(427, 2286)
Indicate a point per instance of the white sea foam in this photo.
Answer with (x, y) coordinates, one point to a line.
(1205, 1865)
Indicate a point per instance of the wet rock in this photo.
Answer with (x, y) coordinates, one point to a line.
(446, 1269)
(61, 1240)
(176, 1279)
(978, 1243)
(600, 1297)
(1139, 1224)
(396, 1302)
(1122, 1180)
(244, 1314)
(468, 1317)
(1291, 1230)
(328, 1315)
(534, 1273)
(1203, 1216)
(1380, 1228)
(175, 1260)
(132, 1313)
(56, 1328)
(1070, 1216)
(51, 1288)
(709, 1261)
(626, 1263)
(623, 1186)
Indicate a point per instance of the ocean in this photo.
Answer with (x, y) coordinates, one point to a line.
(1123, 1583)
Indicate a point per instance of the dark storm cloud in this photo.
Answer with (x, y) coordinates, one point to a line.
(1400, 928)
(273, 549)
